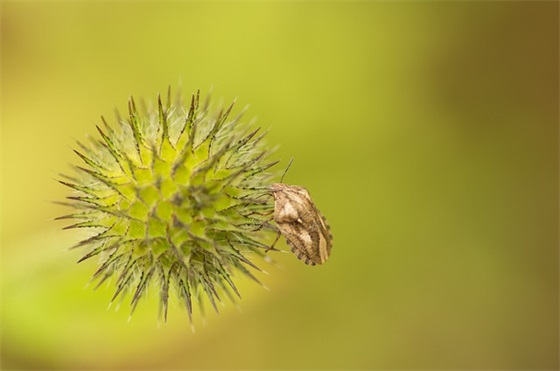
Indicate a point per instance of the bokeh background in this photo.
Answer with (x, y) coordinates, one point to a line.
(427, 133)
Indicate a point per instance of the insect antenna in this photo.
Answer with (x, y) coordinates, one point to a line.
(287, 168)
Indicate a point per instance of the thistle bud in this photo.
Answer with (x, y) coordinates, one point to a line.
(174, 197)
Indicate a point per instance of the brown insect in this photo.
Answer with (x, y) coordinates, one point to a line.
(305, 229)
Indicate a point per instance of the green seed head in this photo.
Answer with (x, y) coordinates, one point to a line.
(176, 197)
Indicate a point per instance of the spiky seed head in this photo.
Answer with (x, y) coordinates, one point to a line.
(173, 197)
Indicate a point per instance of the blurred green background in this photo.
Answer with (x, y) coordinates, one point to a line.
(427, 133)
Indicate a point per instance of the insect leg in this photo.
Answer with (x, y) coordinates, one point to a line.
(274, 243)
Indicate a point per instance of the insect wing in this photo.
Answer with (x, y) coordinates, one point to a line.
(325, 241)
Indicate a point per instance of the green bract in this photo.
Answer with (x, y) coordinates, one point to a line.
(175, 196)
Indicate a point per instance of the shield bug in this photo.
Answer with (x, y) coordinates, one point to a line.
(305, 229)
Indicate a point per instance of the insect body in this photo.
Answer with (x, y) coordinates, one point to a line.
(305, 229)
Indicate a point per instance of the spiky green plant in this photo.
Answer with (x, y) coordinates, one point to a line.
(173, 196)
